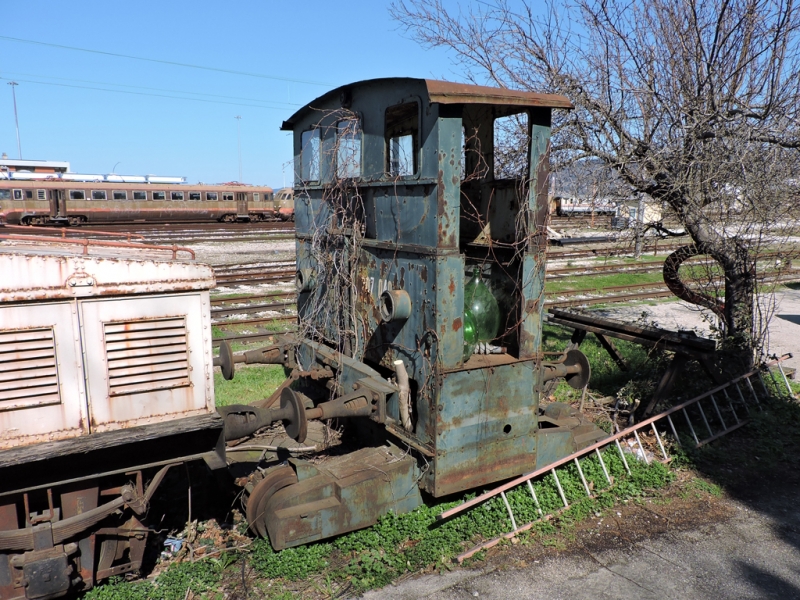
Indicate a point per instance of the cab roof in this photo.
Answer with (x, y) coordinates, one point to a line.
(441, 92)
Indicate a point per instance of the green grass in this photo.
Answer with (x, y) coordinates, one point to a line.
(250, 384)
(599, 282)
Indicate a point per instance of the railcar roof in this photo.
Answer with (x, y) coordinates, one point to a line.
(444, 92)
(44, 270)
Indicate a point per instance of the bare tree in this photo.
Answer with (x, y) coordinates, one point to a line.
(694, 103)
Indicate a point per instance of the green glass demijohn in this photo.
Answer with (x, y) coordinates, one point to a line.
(470, 334)
(479, 300)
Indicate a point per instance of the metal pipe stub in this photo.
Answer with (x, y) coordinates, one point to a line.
(271, 355)
(574, 368)
(395, 305)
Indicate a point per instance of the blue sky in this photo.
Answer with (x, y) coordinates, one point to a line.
(301, 43)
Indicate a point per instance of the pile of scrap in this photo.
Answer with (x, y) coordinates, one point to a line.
(685, 345)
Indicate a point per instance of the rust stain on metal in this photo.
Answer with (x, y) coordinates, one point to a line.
(457, 324)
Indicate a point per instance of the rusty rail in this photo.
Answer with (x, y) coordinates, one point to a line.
(735, 386)
(64, 231)
(85, 242)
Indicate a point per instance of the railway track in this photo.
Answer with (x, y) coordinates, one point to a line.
(284, 301)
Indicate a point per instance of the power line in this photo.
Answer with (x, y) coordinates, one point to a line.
(86, 87)
(165, 62)
(139, 87)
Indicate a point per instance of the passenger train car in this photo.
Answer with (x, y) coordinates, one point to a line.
(58, 201)
(284, 204)
(572, 206)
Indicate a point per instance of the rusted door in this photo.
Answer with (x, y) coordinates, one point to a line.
(41, 374)
(242, 212)
(150, 364)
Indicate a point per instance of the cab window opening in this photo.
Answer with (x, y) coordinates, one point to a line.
(402, 139)
(309, 155)
(348, 149)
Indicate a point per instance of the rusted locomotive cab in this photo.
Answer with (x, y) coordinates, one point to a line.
(105, 386)
(76, 202)
(420, 217)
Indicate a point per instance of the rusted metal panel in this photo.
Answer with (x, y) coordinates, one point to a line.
(169, 336)
(343, 494)
(486, 426)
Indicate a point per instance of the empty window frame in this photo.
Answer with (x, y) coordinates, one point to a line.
(309, 155)
(227, 196)
(41, 194)
(77, 195)
(211, 196)
(139, 195)
(29, 194)
(256, 197)
(18, 195)
(176, 195)
(194, 195)
(348, 149)
(159, 195)
(512, 143)
(99, 195)
(5, 194)
(119, 195)
(402, 139)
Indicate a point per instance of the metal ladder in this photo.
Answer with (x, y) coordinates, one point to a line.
(719, 417)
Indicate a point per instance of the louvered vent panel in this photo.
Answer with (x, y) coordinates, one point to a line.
(146, 355)
(28, 369)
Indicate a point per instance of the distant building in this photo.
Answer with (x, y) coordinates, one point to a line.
(38, 170)
(628, 211)
(10, 165)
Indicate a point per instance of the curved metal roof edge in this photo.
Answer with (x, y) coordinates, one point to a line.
(447, 92)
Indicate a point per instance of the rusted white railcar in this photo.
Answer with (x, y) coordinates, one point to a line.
(106, 384)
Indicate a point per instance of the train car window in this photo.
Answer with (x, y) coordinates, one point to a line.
(269, 197)
(159, 195)
(140, 195)
(41, 194)
(511, 146)
(176, 195)
(194, 195)
(17, 194)
(348, 149)
(256, 197)
(309, 155)
(5, 194)
(211, 196)
(227, 197)
(401, 131)
(119, 195)
(29, 194)
(99, 195)
(77, 195)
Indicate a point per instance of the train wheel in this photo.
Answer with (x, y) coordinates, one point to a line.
(274, 480)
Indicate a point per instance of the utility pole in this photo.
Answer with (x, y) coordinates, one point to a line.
(239, 143)
(13, 85)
